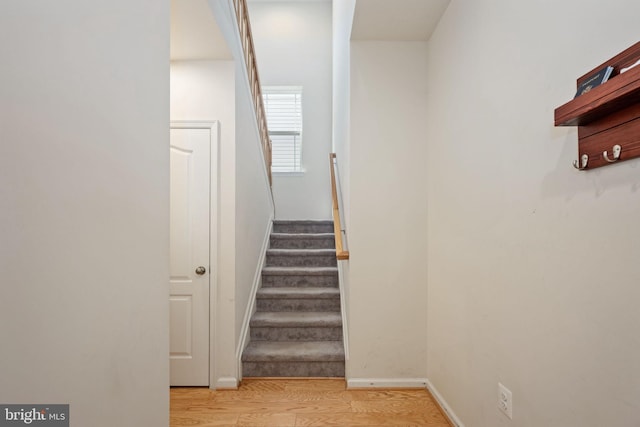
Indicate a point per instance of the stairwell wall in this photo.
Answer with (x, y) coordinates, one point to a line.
(255, 207)
(533, 271)
(293, 48)
(342, 12)
(387, 235)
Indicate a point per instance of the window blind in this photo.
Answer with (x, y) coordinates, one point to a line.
(283, 107)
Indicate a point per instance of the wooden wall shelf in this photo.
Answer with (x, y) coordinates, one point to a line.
(609, 114)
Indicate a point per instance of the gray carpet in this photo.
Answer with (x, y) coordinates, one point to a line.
(296, 330)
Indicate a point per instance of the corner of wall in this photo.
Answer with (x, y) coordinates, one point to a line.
(444, 406)
(226, 383)
(343, 280)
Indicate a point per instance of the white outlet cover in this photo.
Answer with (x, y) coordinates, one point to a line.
(505, 400)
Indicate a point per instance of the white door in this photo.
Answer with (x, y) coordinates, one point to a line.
(189, 255)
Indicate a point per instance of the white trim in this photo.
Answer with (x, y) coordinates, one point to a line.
(257, 281)
(453, 418)
(281, 89)
(227, 383)
(355, 383)
(214, 128)
(298, 173)
(195, 124)
(343, 311)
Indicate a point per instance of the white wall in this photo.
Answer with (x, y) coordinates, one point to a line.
(293, 45)
(84, 195)
(533, 271)
(387, 234)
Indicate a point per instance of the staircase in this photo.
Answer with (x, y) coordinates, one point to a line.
(296, 330)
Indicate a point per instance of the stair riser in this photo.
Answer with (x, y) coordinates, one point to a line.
(302, 281)
(303, 228)
(281, 304)
(293, 369)
(296, 334)
(297, 243)
(277, 260)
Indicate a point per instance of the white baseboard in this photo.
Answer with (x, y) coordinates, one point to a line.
(354, 383)
(444, 405)
(343, 310)
(226, 383)
(257, 281)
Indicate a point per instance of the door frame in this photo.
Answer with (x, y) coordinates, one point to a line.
(214, 173)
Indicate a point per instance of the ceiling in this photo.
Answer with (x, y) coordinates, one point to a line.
(195, 35)
(397, 20)
(292, 1)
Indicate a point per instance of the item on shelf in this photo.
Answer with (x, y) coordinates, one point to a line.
(596, 80)
(624, 70)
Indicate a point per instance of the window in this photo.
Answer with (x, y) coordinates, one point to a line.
(283, 106)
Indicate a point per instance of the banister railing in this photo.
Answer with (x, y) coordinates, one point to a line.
(242, 15)
(341, 254)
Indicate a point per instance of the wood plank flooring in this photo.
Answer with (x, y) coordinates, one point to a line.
(303, 402)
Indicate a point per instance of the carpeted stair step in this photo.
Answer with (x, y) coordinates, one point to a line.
(305, 226)
(300, 277)
(298, 299)
(292, 326)
(293, 359)
(302, 241)
(301, 258)
(296, 330)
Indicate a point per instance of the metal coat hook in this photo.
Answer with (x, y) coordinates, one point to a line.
(584, 159)
(616, 154)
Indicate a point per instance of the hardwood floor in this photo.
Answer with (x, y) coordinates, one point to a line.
(304, 402)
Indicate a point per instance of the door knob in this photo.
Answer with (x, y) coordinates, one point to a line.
(200, 270)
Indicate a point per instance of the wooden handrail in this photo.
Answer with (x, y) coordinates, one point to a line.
(341, 254)
(242, 15)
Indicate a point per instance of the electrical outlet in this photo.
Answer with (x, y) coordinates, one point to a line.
(505, 401)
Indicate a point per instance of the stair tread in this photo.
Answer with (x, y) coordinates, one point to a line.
(296, 319)
(294, 271)
(302, 235)
(303, 226)
(294, 351)
(298, 293)
(302, 252)
(302, 221)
